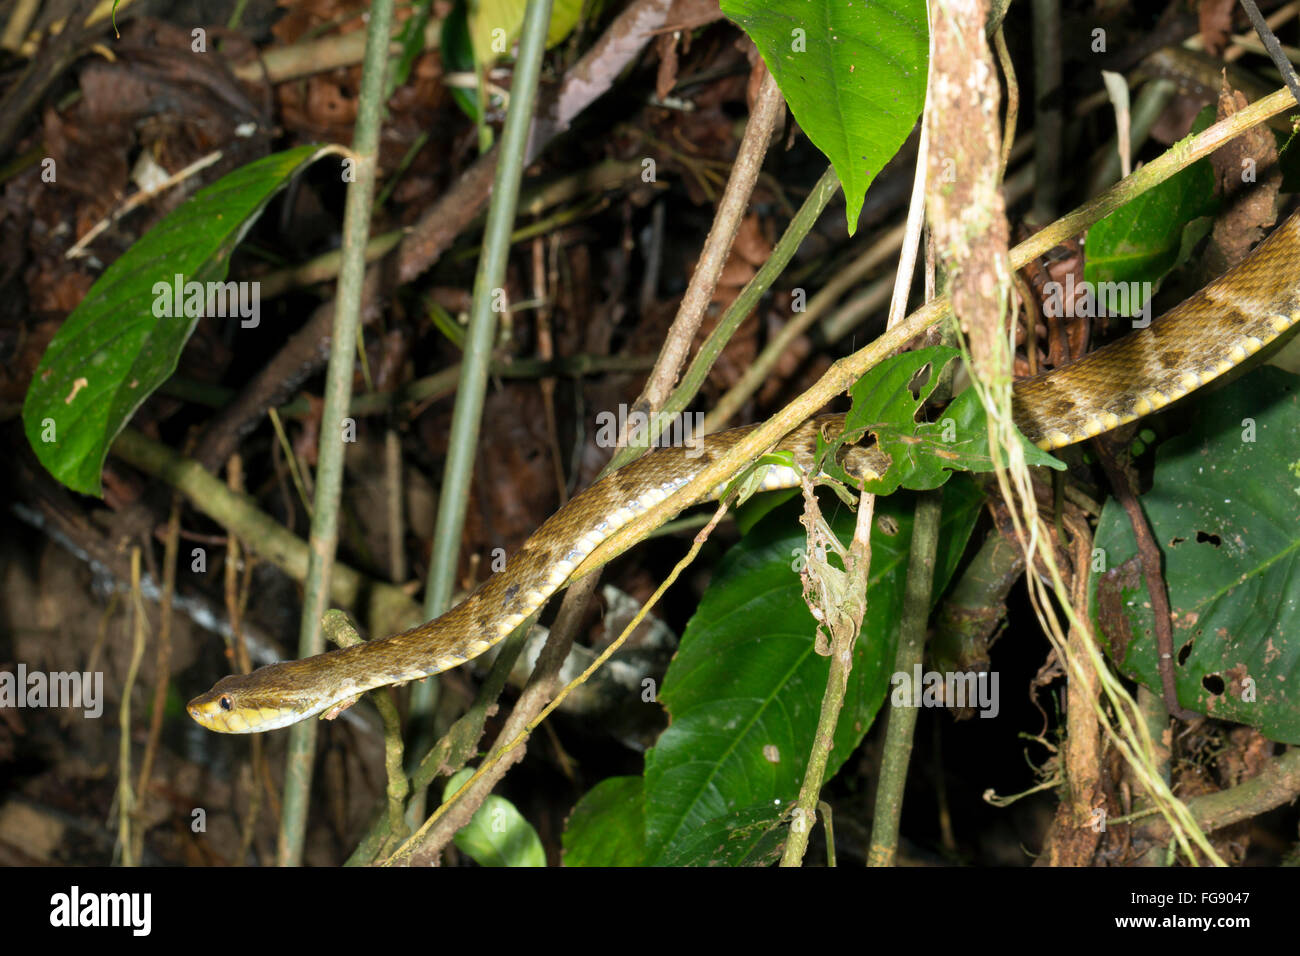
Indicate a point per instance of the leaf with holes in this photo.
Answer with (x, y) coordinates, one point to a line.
(1225, 510)
(922, 456)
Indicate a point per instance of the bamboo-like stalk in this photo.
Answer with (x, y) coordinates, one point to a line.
(338, 395)
(901, 725)
(462, 443)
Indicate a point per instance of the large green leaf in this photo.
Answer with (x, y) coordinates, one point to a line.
(853, 73)
(1225, 509)
(746, 686)
(113, 350)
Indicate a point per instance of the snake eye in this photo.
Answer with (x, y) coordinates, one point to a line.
(225, 703)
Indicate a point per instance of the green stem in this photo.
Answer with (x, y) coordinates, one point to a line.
(462, 444)
(736, 313)
(338, 630)
(911, 646)
(338, 395)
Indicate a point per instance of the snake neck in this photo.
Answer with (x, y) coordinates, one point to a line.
(563, 542)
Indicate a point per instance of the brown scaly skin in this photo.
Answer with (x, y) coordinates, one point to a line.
(1203, 337)
(1198, 340)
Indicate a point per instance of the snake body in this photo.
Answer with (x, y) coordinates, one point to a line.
(1200, 339)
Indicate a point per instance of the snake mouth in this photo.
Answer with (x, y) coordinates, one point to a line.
(239, 721)
(220, 714)
(203, 717)
(206, 716)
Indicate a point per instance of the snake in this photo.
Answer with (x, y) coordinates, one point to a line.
(1204, 336)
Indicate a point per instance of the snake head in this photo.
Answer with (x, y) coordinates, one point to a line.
(267, 699)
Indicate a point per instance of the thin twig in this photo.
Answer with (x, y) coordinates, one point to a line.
(139, 199)
(768, 106)
(1274, 48)
(291, 457)
(125, 798)
(1013, 98)
(236, 599)
(546, 352)
(162, 662)
(1152, 573)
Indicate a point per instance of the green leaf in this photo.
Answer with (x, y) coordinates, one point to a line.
(922, 456)
(853, 73)
(1225, 509)
(754, 836)
(411, 39)
(445, 323)
(497, 835)
(966, 419)
(458, 57)
(750, 481)
(113, 351)
(494, 25)
(885, 405)
(607, 827)
(746, 686)
(1141, 243)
